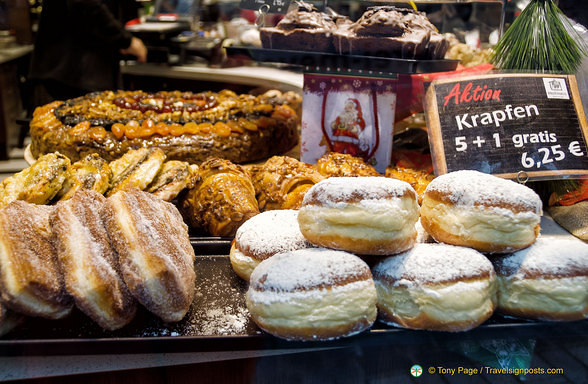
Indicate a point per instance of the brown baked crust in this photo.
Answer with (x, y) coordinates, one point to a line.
(471, 276)
(371, 247)
(419, 180)
(282, 182)
(241, 128)
(446, 197)
(221, 200)
(315, 333)
(537, 314)
(507, 270)
(93, 276)
(441, 235)
(156, 259)
(317, 196)
(334, 164)
(28, 259)
(423, 321)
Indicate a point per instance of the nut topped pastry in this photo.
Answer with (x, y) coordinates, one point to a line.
(282, 181)
(221, 199)
(342, 164)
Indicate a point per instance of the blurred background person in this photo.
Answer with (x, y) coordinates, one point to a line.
(78, 48)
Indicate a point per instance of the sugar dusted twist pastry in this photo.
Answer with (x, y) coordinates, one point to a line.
(282, 181)
(263, 236)
(156, 257)
(481, 211)
(31, 282)
(363, 215)
(436, 287)
(221, 200)
(312, 294)
(343, 164)
(89, 262)
(546, 281)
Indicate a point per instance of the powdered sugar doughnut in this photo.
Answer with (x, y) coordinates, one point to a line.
(263, 236)
(312, 294)
(548, 280)
(438, 287)
(363, 215)
(481, 211)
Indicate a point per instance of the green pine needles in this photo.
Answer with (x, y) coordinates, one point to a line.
(539, 40)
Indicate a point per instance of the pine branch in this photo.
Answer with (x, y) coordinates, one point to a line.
(540, 39)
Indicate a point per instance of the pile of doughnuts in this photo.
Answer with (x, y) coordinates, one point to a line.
(476, 254)
(105, 255)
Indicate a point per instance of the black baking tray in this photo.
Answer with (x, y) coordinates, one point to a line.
(332, 62)
(218, 320)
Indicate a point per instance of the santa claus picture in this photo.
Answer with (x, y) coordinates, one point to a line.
(348, 114)
(347, 129)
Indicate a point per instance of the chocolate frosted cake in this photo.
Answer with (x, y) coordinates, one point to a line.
(304, 28)
(391, 32)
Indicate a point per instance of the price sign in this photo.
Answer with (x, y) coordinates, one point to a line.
(266, 6)
(507, 123)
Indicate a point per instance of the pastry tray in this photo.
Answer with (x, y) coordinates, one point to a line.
(332, 62)
(218, 320)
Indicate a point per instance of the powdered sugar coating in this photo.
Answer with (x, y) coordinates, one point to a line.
(549, 257)
(335, 191)
(307, 269)
(270, 232)
(470, 188)
(433, 263)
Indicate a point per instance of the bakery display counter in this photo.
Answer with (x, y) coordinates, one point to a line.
(245, 76)
(218, 328)
(342, 63)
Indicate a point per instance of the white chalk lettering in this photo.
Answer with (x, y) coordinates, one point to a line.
(496, 117)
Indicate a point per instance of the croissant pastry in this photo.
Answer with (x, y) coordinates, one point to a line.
(343, 165)
(221, 200)
(282, 181)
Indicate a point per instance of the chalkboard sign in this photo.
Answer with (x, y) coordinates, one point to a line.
(266, 6)
(508, 125)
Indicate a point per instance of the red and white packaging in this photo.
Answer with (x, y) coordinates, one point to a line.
(348, 114)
